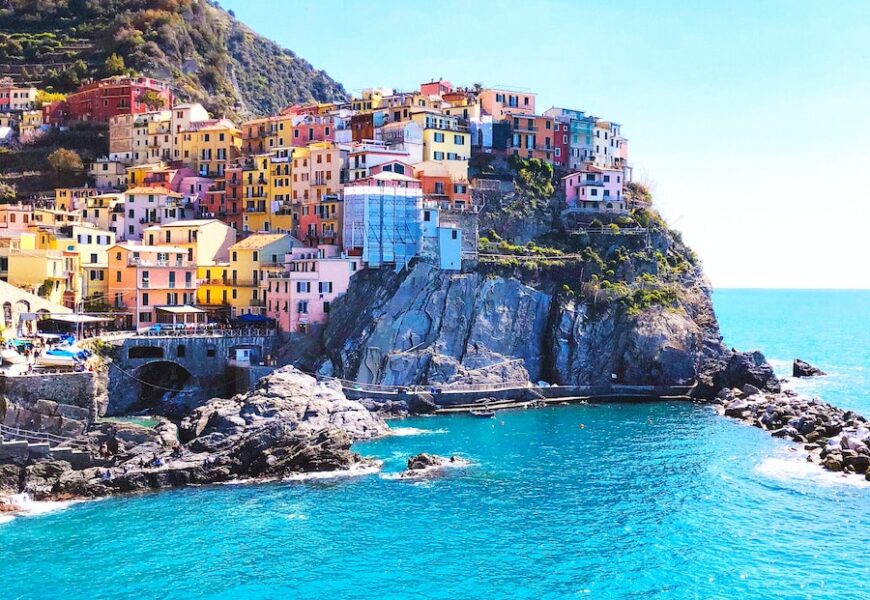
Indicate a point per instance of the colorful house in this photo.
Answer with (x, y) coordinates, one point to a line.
(146, 206)
(499, 102)
(595, 189)
(101, 100)
(93, 245)
(440, 185)
(151, 282)
(251, 261)
(316, 173)
(209, 147)
(300, 297)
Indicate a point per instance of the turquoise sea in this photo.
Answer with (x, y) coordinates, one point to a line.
(645, 501)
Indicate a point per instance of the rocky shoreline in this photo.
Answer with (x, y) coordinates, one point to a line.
(291, 424)
(288, 425)
(836, 439)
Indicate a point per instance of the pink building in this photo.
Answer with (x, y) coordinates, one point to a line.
(156, 284)
(16, 217)
(301, 296)
(595, 189)
(308, 128)
(195, 188)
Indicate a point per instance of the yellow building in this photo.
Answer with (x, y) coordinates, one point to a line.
(256, 194)
(152, 137)
(51, 273)
(72, 198)
(446, 139)
(206, 241)
(251, 261)
(47, 217)
(31, 120)
(209, 146)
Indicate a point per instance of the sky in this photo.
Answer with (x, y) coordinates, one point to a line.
(749, 119)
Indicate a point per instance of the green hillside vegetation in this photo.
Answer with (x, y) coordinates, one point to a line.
(208, 55)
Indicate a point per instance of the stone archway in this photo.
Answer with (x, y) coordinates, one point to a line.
(158, 387)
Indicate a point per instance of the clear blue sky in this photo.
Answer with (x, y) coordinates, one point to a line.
(750, 119)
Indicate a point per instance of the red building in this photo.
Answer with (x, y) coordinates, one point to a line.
(224, 199)
(113, 96)
(561, 135)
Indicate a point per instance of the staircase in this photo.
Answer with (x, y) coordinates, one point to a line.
(24, 444)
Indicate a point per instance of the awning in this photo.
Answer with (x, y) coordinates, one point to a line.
(180, 310)
(79, 319)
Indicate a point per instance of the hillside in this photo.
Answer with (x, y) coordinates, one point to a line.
(209, 55)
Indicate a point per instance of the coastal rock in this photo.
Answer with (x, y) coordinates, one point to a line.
(425, 461)
(288, 424)
(802, 368)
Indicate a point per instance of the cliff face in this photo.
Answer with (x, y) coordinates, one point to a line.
(499, 323)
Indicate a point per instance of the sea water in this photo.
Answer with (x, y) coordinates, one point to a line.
(659, 499)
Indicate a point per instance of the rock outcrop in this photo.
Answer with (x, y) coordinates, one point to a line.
(428, 326)
(801, 368)
(837, 439)
(288, 424)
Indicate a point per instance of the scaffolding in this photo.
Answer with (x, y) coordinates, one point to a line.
(385, 221)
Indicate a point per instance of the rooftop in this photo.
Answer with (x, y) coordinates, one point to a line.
(259, 240)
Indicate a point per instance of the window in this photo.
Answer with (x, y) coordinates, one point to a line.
(145, 299)
(302, 307)
(303, 287)
(439, 187)
(439, 137)
(607, 179)
(459, 139)
(324, 287)
(326, 307)
(439, 156)
(454, 234)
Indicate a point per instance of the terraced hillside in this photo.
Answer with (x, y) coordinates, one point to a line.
(208, 55)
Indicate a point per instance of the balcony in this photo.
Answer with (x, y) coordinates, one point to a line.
(178, 264)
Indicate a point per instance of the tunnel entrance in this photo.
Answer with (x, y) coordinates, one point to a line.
(162, 385)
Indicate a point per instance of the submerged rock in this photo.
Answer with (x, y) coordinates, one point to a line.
(802, 368)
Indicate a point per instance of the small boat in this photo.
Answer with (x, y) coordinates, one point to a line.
(483, 414)
(57, 358)
(11, 356)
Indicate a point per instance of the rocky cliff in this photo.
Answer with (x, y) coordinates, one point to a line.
(612, 307)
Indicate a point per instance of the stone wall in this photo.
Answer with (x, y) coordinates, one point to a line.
(83, 390)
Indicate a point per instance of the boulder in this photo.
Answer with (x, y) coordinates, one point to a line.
(802, 368)
(425, 461)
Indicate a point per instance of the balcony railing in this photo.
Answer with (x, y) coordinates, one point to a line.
(143, 262)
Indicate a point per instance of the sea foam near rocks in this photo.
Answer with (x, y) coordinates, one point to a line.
(409, 431)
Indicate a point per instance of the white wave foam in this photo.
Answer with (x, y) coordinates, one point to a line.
(31, 507)
(6, 519)
(406, 431)
(297, 517)
(799, 469)
(459, 463)
(355, 471)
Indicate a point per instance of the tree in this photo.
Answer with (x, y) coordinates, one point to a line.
(7, 192)
(65, 161)
(44, 98)
(115, 65)
(153, 100)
